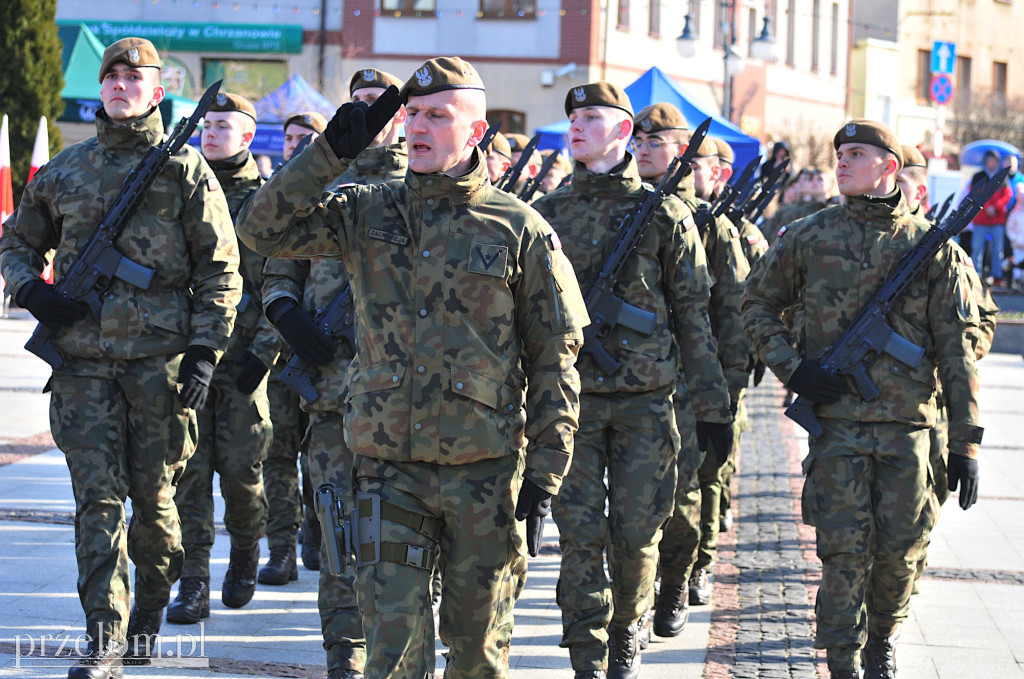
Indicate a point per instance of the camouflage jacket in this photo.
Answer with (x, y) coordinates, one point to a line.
(790, 213)
(834, 261)
(470, 318)
(667, 274)
(729, 271)
(314, 283)
(181, 229)
(752, 241)
(253, 332)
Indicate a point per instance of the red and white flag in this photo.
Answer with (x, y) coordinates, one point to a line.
(40, 157)
(6, 188)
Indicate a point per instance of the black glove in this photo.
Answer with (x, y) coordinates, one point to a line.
(963, 471)
(759, 368)
(719, 435)
(355, 124)
(194, 375)
(250, 372)
(309, 342)
(816, 384)
(534, 504)
(50, 308)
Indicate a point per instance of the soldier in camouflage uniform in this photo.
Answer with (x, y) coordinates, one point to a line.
(289, 495)
(123, 403)
(689, 545)
(295, 290)
(865, 490)
(463, 395)
(234, 425)
(499, 157)
(627, 424)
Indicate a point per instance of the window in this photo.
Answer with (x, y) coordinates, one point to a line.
(409, 7)
(815, 34)
(791, 33)
(752, 30)
(963, 80)
(695, 15)
(999, 78)
(834, 59)
(624, 15)
(721, 24)
(512, 122)
(924, 75)
(654, 22)
(508, 9)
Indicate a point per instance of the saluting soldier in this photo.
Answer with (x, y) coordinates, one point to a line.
(463, 395)
(865, 489)
(627, 424)
(295, 290)
(234, 424)
(123, 404)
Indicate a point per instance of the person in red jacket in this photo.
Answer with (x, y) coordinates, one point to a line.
(990, 224)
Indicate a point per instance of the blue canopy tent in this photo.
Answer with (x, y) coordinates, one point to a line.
(653, 87)
(972, 154)
(296, 95)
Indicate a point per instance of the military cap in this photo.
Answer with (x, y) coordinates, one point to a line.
(517, 142)
(912, 157)
(371, 77)
(707, 148)
(658, 117)
(440, 74)
(500, 145)
(310, 120)
(599, 93)
(135, 52)
(227, 102)
(869, 132)
(725, 152)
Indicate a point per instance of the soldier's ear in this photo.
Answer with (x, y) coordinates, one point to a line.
(401, 115)
(921, 193)
(625, 129)
(158, 96)
(478, 129)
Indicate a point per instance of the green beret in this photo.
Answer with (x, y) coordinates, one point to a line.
(600, 93)
(439, 74)
(658, 117)
(912, 157)
(227, 102)
(500, 145)
(135, 52)
(310, 120)
(371, 77)
(517, 142)
(869, 132)
(707, 148)
(725, 152)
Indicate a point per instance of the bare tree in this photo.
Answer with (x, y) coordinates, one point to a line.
(987, 116)
(810, 141)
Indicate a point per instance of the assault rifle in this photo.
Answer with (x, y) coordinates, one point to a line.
(533, 184)
(337, 321)
(870, 335)
(769, 187)
(942, 211)
(489, 135)
(736, 192)
(98, 263)
(511, 176)
(606, 310)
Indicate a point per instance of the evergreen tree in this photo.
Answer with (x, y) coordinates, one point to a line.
(31, 79)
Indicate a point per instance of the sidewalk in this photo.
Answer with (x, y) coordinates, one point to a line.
(968, 620)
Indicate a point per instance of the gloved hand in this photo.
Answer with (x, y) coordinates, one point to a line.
(963, 471)
(51, 309)
(355, 124)
(534, 505)
(250, 373)
(308, 341)
(719, 435)
(759, 368)
(194, 375)
(816, 384)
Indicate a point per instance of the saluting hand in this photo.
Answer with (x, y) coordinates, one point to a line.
(355, 124)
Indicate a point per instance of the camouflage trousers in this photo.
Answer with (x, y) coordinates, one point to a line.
(287, 496)
(331, 461)
(482, 554)
(124, 434)
(938, 477)
(631, 438)
(865, 492)
(678, 547)
(728, 470)
(234, 436)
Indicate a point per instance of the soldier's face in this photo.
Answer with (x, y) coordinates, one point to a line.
(224, 134)
(293, 134)
(653, 153)
(724, 173)
(598, 135)
(861, 170)
(913, 191)
(128, 92)
(441, 130)
(705, 172)
(496, 165)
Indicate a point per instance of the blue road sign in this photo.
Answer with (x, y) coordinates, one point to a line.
(942, 88)
(943, 57)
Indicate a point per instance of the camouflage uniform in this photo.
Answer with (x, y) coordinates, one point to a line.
(113, 408)
(289, 496)
(695, 515)
(312, 285)
(469, 324)
(869, 534)
(627, 424)
(234, 428)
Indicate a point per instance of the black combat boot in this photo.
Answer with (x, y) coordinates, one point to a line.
(240, 580)
(700, 587)
(879, 657)
(311, 544)
(623, 652)
(192, 603)
(143, 632)
(102, 661)
(672, 611)
(281, 567)
(644, 627)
